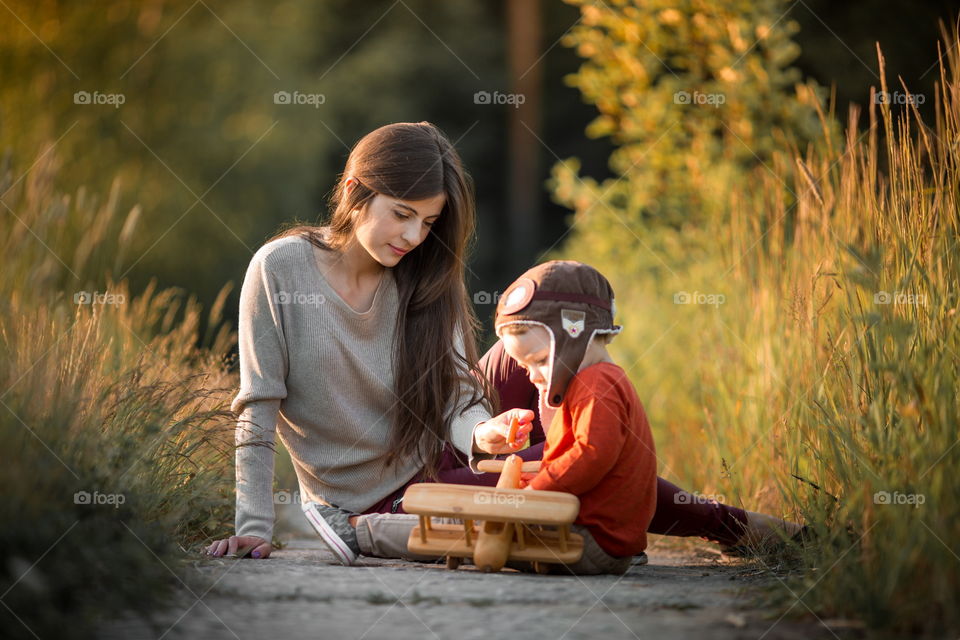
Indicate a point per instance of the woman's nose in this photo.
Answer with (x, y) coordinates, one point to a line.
(411, 234)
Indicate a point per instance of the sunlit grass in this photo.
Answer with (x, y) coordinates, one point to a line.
(113, 413)
(817, 378)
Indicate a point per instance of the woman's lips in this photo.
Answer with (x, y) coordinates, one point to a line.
(399, 252)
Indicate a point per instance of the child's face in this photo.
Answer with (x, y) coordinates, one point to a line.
(532, 351)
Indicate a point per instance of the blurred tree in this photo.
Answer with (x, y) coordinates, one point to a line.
(692, 94)
(180, 101)
(524, 129)
(177, 100)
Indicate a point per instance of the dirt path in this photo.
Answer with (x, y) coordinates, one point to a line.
(685, 591)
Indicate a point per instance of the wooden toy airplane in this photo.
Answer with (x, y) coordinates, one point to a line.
(513, 520)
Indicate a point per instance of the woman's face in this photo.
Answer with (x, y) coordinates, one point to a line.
(389, 227)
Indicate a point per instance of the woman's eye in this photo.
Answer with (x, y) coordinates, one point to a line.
(400, 215)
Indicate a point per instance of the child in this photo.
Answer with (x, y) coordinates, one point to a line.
(556, 321)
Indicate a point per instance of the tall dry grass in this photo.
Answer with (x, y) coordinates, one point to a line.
(813, 370)
(113, 414)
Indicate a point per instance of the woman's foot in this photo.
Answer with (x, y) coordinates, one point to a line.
(335, 529)
(763, 532)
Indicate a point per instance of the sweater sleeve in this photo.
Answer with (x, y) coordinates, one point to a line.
(598, 437)
(466, 419)
(263, 371)
(255, 458)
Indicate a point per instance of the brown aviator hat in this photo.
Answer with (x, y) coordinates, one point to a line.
(573, 302)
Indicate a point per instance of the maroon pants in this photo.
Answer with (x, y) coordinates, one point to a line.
(678, 513)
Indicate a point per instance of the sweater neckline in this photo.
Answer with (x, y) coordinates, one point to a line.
(318, 268)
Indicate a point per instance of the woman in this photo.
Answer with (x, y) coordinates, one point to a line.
(357, 346)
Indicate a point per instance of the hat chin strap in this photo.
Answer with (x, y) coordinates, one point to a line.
(546, 412)
(546, 397)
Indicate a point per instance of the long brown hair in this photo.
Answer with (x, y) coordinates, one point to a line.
(415, 161)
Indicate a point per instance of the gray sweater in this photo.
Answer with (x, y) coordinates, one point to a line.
(320, 375)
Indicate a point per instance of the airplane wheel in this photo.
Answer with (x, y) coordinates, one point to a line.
(453, 562)
(541, 567)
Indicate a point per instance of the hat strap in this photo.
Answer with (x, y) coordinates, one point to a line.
(561, 296)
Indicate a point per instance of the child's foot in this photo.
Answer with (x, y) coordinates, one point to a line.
(335, 530)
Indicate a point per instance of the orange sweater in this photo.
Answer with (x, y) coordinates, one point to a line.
(600, 449)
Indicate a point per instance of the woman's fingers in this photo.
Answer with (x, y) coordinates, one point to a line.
(217, 547)
(493, 435)
(242, 546)
(525, 416)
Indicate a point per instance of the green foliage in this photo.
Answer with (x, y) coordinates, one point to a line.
(797, 346)
(693, 94)
(199, 140)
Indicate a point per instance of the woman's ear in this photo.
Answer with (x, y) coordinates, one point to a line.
(349, 184)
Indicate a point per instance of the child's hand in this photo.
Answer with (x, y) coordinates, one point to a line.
(492, 436)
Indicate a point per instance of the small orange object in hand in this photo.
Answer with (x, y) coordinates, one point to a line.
(512, 433)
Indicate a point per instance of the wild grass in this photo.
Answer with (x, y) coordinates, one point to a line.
(815, 372)
(113, 414)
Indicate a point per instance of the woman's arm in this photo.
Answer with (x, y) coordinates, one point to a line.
(263, 372)
(255, 458)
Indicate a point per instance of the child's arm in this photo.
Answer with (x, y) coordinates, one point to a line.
(598, 437)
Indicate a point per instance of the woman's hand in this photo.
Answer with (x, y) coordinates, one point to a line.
(242, 546)
(491, 436)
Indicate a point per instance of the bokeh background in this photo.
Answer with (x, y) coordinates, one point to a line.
(217, 166)
(770, 185)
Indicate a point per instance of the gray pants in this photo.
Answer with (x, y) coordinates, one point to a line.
(385, 535)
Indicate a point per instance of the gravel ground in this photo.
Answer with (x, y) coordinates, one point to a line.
(686, 591)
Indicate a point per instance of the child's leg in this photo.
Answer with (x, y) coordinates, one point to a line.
(594, 561)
